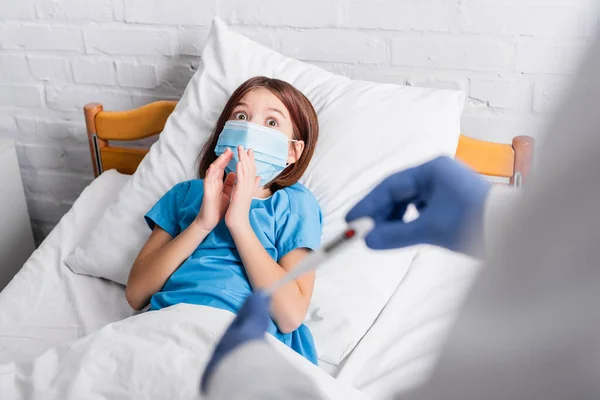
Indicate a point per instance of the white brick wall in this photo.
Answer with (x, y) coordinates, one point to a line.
(551, 18)
(512, 58)
(166, 12)
(406, 15)
(75, 10)
(297, 14)
(15, 10)
(343, 46)
(34, 130)
(134, 74)
(129, 41)
(501, 93)
(21, 96)
(29, 36)
(14, 68)
(49, 68)
(469, 54)
(545, 91)
(94, 71)
(547, 56)
(191, 41)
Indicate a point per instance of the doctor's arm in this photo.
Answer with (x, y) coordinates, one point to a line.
(259, 372)
(243, 356)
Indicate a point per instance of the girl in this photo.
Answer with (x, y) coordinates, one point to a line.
(246, 222)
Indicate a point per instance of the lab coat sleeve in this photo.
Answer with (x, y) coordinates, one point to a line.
(256, 371)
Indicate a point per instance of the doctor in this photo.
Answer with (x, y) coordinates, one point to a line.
(530, 328)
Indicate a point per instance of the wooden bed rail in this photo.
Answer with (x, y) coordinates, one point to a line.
(496, 159)
(139, 123)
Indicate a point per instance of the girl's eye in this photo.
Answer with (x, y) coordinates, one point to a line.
(271, 122)
(240, 115)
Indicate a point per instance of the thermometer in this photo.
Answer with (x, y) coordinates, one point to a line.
(356, 230)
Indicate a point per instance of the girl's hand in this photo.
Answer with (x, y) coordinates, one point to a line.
(244, 189)
(216, 193)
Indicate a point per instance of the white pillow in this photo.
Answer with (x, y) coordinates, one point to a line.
(368, 130)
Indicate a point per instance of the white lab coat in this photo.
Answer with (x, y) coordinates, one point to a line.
(530, 328)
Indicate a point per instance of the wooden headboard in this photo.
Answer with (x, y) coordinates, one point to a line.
(511, 161)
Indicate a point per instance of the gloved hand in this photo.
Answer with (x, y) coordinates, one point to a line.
(251, 323)
(449, 197)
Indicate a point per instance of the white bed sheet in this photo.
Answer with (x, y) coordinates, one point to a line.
(46, 304)
(400, 349)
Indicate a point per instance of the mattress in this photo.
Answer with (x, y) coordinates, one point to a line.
(46, 304)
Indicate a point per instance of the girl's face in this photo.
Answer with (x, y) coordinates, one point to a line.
(262, 107)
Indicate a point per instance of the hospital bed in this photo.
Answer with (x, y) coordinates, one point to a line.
(47, 305)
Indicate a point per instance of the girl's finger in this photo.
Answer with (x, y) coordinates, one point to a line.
(234, 189)
(215, 173)
(228, 185)
(256, 183)
(209, 173)
(251, 161)
(239, 169)
(241, 153)
(222, 161)
(227, 156)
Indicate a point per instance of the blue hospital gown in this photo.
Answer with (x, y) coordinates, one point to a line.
(214, 274)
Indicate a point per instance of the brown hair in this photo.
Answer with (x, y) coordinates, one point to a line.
(304, 122)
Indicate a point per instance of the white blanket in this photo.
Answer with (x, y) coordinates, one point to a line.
(46, 305)
(155, 355)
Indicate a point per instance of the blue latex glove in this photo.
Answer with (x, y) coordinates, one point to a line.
(251, 323)
(449, 197)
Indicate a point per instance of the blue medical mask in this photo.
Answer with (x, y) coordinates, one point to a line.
(269, 145)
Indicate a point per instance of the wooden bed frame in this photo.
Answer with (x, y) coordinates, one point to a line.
(487, 158)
